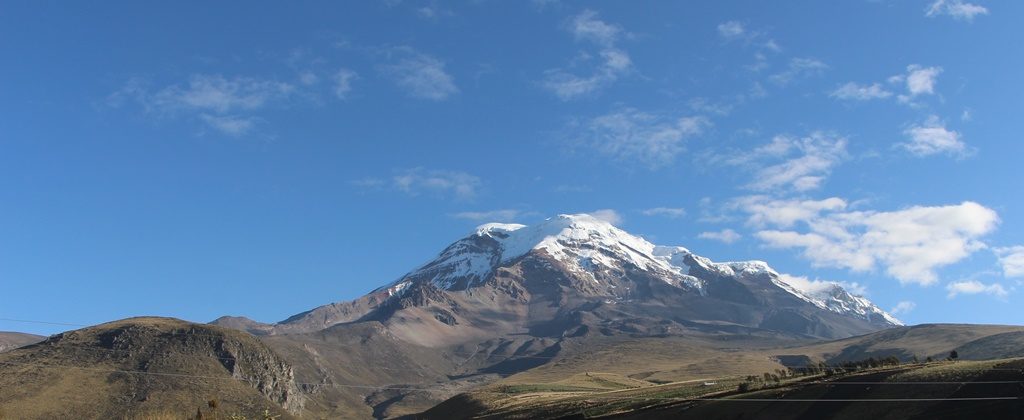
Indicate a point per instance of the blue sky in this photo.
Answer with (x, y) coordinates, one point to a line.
(204, 159)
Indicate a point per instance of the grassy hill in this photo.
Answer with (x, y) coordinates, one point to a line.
(146, 368)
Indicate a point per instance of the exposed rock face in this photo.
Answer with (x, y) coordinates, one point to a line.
(155, 359)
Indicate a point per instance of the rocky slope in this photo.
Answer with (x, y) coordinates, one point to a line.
(144, 367)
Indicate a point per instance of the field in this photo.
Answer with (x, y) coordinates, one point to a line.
(933, 390)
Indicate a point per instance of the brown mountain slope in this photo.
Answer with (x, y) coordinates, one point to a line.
(972, 342)
(13, 340)
(141, 367)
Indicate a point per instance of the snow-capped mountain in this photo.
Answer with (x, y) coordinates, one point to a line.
(576, 275)
(592, 248)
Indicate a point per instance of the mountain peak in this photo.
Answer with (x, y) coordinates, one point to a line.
(600, 255)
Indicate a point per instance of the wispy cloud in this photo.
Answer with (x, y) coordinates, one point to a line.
(586, 26)
(958, 9)
(343, 79)
(1011, 259)
(910, 243)
(916, 82)
(903, 307)
(932, 137)
(731, 30)
(231, 125)
(734, 30)
(634, 136)
(608, 215)
(502, 215)
(224, 104)
(670, 212)
(765, 211)
(725, 236)
(858, 92)
(799, 68)
(798, 164)
(418, 181)
(612, 62)
(420, 75)
(974, 287)
(219, 94)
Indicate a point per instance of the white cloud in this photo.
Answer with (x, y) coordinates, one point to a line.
(725, 235)
(635, 136)
(918, 81)
(974, 287)
(798, 68)
(958, 9)
(911, 243)
(1012, 260)
(903, 307)
(587, 27)
(860, 92)
(731, 29)
(608, 215)
(932, 137)
(921, 80)
(343, 82)
(503, 215)
(230, 125)
(613, 64)
(818, 287)
(421, 75)
(670, 212)
(418, 180)
(765, 211)
(806, 162)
